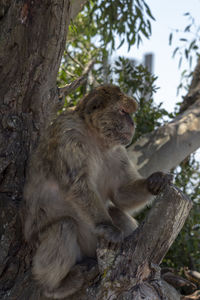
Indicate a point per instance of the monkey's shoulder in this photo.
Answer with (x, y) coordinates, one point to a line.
(119, 166)
(65, 124)
(118, 155)
(115, 161)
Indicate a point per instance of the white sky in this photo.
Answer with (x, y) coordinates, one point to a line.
(168, 15)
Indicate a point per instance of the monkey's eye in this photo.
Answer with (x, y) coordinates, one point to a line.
(122, 112)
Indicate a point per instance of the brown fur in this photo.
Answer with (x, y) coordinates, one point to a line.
(81, 185)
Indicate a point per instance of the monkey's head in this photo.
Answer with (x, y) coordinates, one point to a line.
(108, 111)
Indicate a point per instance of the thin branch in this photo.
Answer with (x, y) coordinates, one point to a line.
(68, 73)
(76, 7)
(194, 90)
(64, 91)
(74, 60)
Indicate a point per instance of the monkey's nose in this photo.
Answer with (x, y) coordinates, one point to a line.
(129, 120)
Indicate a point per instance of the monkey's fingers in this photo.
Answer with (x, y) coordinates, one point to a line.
(157, 181)
(109, 232)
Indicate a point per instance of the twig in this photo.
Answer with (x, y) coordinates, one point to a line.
(64, 91)
(75, 60)
(69, 73)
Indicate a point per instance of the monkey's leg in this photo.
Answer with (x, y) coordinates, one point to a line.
(123, 220)
(55, 258)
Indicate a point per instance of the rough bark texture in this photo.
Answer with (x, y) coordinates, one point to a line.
(131, 271)
(32, 41)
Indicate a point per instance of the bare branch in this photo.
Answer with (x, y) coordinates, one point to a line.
(75, 60)
(64, 91)
(130, 270)
(77, 6)
(194, 90)
(166, 147)
(162, 225)
(69, 73)
(134, 267)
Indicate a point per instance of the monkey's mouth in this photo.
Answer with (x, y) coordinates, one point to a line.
(126, 138)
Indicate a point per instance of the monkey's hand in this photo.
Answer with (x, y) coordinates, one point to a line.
(157, 181)
(110, 232)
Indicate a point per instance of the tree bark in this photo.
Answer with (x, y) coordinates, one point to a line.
(132, 271)
(170, 144)
(32, 41)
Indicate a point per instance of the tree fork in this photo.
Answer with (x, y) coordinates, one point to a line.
(32, 42)
(131, 271)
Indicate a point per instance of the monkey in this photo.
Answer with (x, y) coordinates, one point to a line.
(81, 185)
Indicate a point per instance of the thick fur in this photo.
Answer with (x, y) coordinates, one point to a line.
(81, 185)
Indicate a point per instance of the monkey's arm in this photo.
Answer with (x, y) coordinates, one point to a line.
(89, 206)
(90, 209)
(136, 194)
(135, 191)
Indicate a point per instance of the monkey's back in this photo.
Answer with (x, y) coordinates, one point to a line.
(56, 164)
(67, 161)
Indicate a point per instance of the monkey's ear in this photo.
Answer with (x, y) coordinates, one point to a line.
(96, 102)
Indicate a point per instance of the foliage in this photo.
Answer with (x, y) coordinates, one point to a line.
(188, 49)
(129, 19)
(89, 36)
(93, 35)
(137, 81)
(186, 249)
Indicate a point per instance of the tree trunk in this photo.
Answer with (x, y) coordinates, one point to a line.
(32, 41)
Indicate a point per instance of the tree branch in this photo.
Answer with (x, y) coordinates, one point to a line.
(64, 91)
(75, 60)
(170, 144)
(77, 6)
(131, 271)
(134, 266)
(194, 90)
(162, 225)
(166, 147)
(152, 240)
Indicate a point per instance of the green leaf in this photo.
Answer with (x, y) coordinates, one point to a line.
(180, 62)
(149, 11)
(187, 28)
(121, 43)
(175, 51)
(170, 38)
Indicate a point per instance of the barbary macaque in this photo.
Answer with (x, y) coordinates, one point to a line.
(81, 185)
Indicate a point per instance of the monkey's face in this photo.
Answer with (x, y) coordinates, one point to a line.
(116, 124)
(109, 112)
